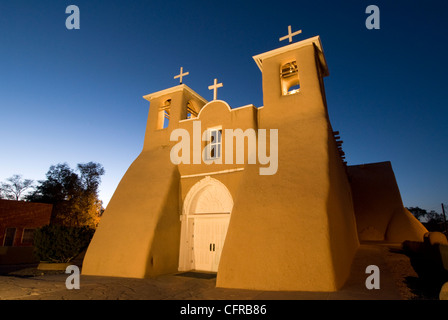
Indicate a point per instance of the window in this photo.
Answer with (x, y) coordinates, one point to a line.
(28, 236)
(214, 147)
(164, 115)
(289, 77)
(10, 234)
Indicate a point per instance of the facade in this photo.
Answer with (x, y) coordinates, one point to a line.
(269, 207)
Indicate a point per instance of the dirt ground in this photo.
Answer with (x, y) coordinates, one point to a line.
(399, 281)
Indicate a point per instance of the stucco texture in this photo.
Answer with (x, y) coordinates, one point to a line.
(294, 230)
(139, 233)
(379, 210)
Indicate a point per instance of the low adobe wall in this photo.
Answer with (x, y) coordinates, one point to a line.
(380, 214)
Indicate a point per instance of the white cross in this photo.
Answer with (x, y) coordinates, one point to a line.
(290, 34)
(181, 74)
(215, 87)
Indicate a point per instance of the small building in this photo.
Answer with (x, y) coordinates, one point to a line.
(18, 221)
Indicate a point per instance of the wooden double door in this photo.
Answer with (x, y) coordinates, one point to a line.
(208, 237)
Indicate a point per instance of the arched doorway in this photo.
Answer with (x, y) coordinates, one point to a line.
(205, 219)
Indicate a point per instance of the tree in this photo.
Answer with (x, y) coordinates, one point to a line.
(91, 176)
(15, 187)
(417, 212)
(432, 220)
(74, 196)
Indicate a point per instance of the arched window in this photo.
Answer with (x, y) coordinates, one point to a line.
(289, 77)
(164, 115)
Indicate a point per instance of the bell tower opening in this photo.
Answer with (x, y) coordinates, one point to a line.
(164, 115)
(192, 110)
(289, 77)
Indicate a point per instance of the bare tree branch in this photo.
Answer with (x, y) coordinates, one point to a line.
(15, 186)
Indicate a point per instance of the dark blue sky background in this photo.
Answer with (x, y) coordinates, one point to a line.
(76, 95)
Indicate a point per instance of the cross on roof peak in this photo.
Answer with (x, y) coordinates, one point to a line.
(215, 87)
(180, 76)
(290, 34)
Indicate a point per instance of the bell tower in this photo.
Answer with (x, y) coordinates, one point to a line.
(167, 108)
(304, 217)
(293, 80)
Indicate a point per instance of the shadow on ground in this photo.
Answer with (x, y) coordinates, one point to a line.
(423, 289)
(427, 262)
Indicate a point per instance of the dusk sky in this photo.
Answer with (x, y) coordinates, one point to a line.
(76, 96)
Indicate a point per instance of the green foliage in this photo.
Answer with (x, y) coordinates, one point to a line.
(55, 243)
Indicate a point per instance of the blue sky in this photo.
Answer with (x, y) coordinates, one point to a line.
(76, 95)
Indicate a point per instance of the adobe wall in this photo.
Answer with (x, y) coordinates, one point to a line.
(218, 113)
(284, 227)
(139, 233)
(379, 210)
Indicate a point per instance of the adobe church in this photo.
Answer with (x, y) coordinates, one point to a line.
(296, 229)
